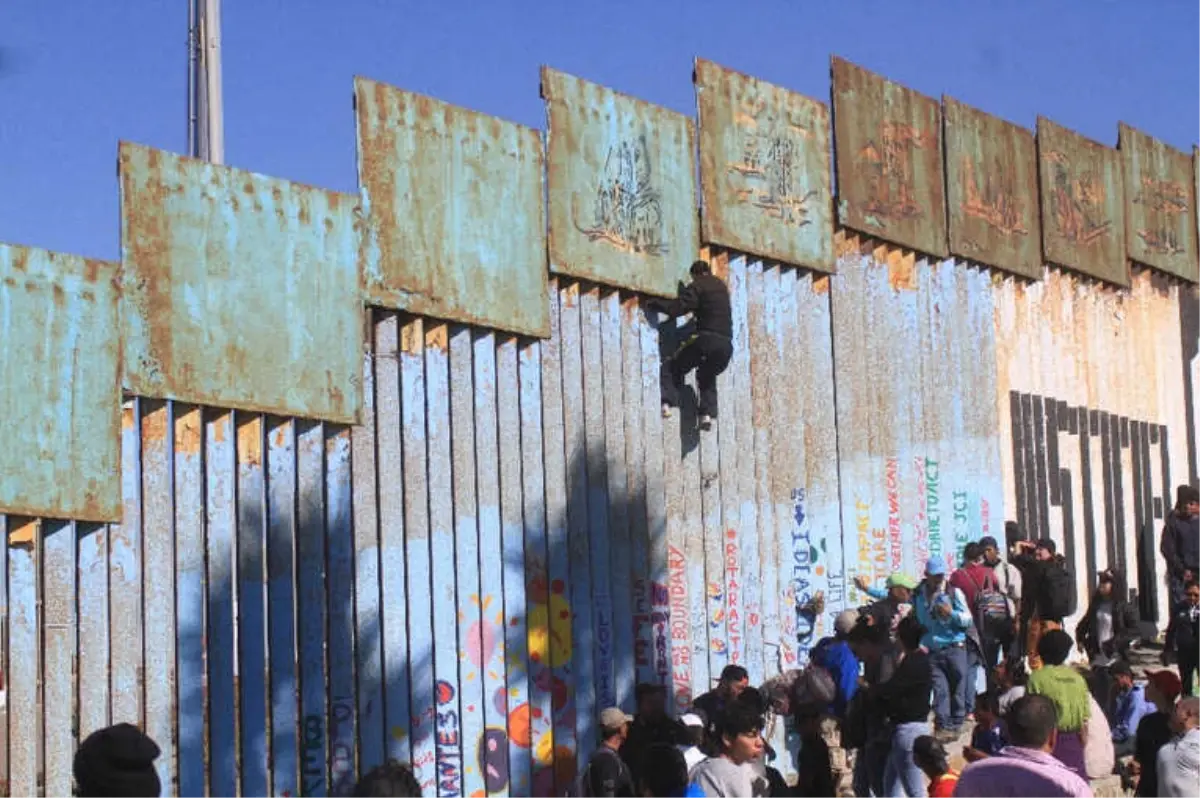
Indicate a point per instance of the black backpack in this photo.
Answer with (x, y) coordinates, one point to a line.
(1058, 597)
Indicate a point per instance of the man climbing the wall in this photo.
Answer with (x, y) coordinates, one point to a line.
(707, 350)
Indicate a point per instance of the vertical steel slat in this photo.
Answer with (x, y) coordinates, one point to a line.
(441, 538)
(339, 582)
(193, 687)
(5, 659)
(783, 469)
(646, 349)
(310, 608)
(499, 541)
(737, 400)
(418, 598)
(24, 660)
(725, 429)
(466, 559)
(551, 635)
(125, 578)
(760, 389)
(620, 500)
(524, 541)
(281, 603)
(679, 577)
(792, 373)
(221, 518)
(158, 548)
(92, 551)
(637, 567)
(597, 530)
(368, 630)
(58, 662)
(251, 669)
(688, 439)
(582, 634)
(713, 537)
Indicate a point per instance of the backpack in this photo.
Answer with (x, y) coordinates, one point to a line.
(582, 785)
(991, 606)
(1058, 597)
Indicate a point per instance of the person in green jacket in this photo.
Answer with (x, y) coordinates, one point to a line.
(1069, 691)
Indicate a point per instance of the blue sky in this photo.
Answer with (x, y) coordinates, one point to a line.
(76, 76)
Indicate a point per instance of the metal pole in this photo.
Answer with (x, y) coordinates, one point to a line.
(193, 139)
(214, 121)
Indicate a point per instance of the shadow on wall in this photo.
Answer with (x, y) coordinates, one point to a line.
(452, 584)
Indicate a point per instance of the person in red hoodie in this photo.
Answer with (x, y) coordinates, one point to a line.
(973, 578)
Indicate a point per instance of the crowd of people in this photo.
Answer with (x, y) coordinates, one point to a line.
(980, 650)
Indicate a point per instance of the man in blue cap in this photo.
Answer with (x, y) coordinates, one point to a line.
(942, 609)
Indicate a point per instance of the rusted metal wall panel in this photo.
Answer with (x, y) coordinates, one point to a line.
(622, 187)
(914, 364)
(1074, 359)
(453, 204)
(764, 168)
(1160, 204)
(992, 191)
(239, 290)
(1083, 221)
(62, 410)
(888, 144)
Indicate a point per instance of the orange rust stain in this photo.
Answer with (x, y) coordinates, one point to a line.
(249, 442)
(412, 337)
(187, 433)
(279, 436)
(720, 265)
(821, 284)
(570, 295)
(220, 428)
(60, 296)
(23, 532)
(154, 426)
(437, 337)
(902, 272)
(20, 259)
(127, 418)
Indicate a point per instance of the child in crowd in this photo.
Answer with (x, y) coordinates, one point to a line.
(989, 737)
(930, 756)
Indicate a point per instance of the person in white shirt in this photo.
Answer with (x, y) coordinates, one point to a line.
(1179, 760)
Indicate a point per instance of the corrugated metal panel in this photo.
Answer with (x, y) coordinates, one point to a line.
(268, 318)
(914, 364)
(1160, 204)
(888, 143)
(622, 187)
(455, 218)
(61, 456)
(1065, 351)
(1083, 223)
(992, 190)
(764, 168)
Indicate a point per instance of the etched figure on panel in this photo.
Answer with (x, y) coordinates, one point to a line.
(996, 202)
(627, 210)
(888, 160)
(767, 174)
(1077, 204)
(1168, 199)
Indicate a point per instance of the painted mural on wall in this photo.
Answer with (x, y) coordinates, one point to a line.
(1160, 204)
(1083, 222)
(889, 160)
(991, 179)
(764, 169)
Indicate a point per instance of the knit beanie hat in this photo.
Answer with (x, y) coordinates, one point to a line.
(118, 760)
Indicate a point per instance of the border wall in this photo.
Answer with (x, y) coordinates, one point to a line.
(309, 480)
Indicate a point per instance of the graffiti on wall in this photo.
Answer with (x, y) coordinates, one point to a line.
(1077, 201)
(627, 206)
(681, 633)
(888, 161)
(1168, 199)
(1099, 516)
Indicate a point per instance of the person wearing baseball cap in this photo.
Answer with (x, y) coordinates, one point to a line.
(943, 610)
(606, 773)
(835, 655)
(890, 605)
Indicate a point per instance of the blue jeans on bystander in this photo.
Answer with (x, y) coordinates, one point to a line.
(901, 776)
(949, 686)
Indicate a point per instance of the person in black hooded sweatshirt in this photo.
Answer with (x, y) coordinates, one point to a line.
(708, 350)
(1180, 545)
(118, 760)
